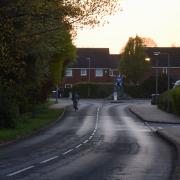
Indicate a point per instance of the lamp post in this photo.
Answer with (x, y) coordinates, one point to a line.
(168, 74)
(156, 65)
(89, 75)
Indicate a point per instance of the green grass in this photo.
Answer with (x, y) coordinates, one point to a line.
(26, 125)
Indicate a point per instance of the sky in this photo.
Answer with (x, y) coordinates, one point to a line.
(155, 19)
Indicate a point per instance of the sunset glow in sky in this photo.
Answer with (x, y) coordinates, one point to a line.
(155, 19)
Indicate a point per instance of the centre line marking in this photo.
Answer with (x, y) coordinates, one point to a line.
(90, 137)
(86, 141)
(78, 146)
(47, 160)
(67, 151)
(20, 171)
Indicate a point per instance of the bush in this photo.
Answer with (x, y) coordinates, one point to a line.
(166, 101)
(176, 100)
(8, 109)
(149, 85)
(95, 90)
(100, 90)
(170, 101)
(134, 91)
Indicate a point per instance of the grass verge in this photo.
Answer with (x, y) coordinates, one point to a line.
(26, 125)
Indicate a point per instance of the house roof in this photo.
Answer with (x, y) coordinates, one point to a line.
(100, 57)
(173, 52)
(114, 60)
(95, 58)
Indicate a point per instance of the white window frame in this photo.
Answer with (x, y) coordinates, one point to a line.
(99, 72)
(164, 70)
(68, 86)
(68, 72)
(83, 72)
(111, 72)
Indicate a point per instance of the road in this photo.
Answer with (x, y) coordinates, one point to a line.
(101, 141)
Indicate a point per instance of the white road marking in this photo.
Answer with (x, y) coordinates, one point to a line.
(90, 137)
(67, 151)
(50, 159)
(152, 128)
(78, 146)
(86, 141)
(176, 126)
(20, 171)
(137, 130)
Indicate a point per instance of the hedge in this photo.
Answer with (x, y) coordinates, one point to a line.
(170, 101)
(8, 109)
(95, 90)
(176, 100)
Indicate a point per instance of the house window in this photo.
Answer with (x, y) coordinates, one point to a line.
(99, 72)
(69, 72)
(164, 70)
(83, 72)
(69, 86)
(111, 72)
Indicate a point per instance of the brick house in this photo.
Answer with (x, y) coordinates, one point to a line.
(93, 65)
(159, 60)
(97, 65)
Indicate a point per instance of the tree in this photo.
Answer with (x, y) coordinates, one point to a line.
(132, 63)
(148, 42)
(36, 42)
(31, 39)
(27, 27)
(90, 12)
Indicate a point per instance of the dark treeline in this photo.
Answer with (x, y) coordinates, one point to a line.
(36, 44)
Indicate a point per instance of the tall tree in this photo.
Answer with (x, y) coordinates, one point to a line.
(34, 33)
(148, 42)
(37, 33)
(132, 63)
(27, 25)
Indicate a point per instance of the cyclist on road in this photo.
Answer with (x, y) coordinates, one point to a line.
(75, 99)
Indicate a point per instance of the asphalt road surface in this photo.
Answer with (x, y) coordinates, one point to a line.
(101, 141)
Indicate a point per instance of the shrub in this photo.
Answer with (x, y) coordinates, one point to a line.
(166, 101)
(96, 90)
(149, 85)
(134, 91)
(176, 100)
(8, 109)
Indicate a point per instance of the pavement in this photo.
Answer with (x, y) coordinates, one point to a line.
(62, 103)
(151, 114)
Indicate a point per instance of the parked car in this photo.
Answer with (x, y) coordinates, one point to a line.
(176, 84)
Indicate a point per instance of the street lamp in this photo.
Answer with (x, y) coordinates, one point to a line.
(168, 66)
(156, 65)
(147, 59)
(89, 74)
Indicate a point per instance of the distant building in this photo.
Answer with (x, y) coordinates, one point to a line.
(96, 65)
(93, 65)
(159, 60)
